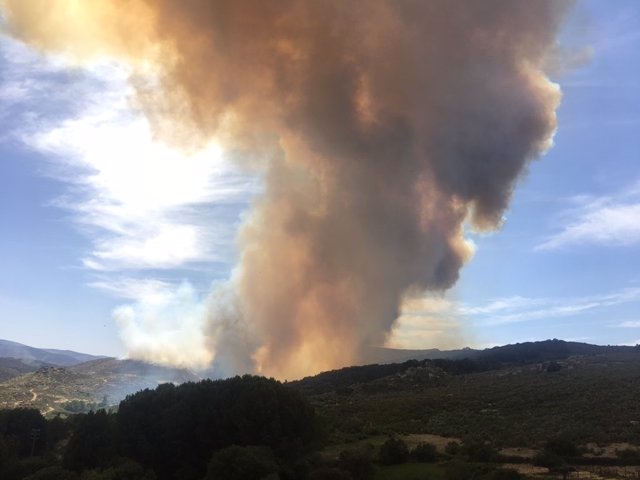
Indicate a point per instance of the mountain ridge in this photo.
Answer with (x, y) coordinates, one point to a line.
(53, 356)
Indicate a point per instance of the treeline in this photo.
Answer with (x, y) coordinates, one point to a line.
(243, 427)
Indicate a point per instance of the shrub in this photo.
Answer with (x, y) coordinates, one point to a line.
(128, 470)
(562, 446)
(504, 474)
(393, 452)
(548, 459)
(628, 453)
(425, 452)
(452, 448)
(457, 470)
(329, 473)
(53, 473)
(358, 463)
(479, 451)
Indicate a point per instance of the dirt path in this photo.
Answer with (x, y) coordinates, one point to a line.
(35, 395)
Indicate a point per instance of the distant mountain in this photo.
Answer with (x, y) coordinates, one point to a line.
(39, 356)
(517, 353)
(531, 352)
(13, 367)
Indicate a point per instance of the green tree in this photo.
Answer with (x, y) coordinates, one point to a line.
(92, 443)
(24, 430)
(175, 429)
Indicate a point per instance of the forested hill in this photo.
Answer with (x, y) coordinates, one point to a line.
(459, 362)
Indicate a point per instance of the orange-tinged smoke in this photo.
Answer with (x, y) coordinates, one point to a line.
(383, 126)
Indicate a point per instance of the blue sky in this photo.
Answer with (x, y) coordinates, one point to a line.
(88, 228)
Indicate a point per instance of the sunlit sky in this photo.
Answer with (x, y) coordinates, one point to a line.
(96, 214)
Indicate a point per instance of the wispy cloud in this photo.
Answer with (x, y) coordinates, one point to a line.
(606, 221)
(629, 324)
(509, 310)
(142, 204)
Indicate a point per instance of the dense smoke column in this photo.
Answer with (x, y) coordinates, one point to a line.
(382, 126)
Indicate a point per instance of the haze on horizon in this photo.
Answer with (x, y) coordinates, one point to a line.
(281, 186)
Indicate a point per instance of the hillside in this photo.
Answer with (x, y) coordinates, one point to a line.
(98, 383)
(548, 388)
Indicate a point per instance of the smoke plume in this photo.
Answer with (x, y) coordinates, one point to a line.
(382, 128)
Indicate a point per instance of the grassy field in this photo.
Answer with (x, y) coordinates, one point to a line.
(410, 471)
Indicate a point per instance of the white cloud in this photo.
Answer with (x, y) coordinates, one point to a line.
(607, 221)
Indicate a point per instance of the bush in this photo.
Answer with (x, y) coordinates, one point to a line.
(20, 469)
(452, 448)
(128, 470)
(329, 473)
(425, 452)
(393, 452)
(479, 451)
(628, 453)
(457, 470)
(359, 463)
(504, 474)
(53, 473)
(562, 446)
(548, 459)
(241, 463)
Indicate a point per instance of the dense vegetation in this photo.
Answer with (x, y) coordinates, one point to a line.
(591, 399)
